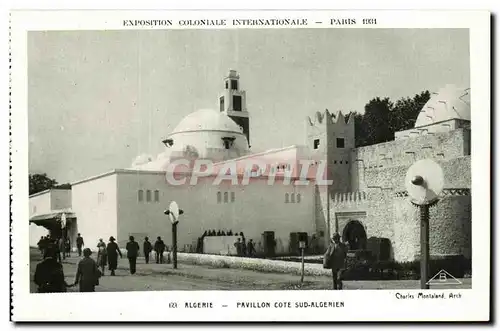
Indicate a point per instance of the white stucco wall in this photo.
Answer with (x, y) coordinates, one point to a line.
(40, 203)
(95, 205)
(60, 199)
(257, 208)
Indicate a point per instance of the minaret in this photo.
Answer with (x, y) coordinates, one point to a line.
(232, 102)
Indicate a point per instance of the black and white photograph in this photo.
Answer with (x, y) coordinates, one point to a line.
(277, 154)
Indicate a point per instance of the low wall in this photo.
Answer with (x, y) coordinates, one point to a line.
(310, 269)
(220, 245)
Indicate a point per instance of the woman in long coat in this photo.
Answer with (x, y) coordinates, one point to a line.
(101, 255)
(113, 251)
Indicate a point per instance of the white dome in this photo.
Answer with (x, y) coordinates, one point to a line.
(448, 103)
(207, 120)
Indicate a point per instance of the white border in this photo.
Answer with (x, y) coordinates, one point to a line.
(360, 305)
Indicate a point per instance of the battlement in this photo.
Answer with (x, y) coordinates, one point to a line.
(350, 197)
(328, 118)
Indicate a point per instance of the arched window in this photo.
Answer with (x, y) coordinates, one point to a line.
(292, 199)
(233, 196)
(219, 197)
(226, 198)
(286, 197)
(157, 196)
(298, 198)
(148, 195)
(140, 195)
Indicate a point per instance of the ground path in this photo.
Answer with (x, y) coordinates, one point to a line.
(157, 277)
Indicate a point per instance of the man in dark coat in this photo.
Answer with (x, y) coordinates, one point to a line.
(132, 252)
(49, 274)
(334, 259)
(159, 249)
(87, 273)
(79, 244)
(113, 251)
(147, 248)
(250, 248)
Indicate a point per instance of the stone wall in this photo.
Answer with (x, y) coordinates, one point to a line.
(457, 174)
(384, 215)
(440, 146)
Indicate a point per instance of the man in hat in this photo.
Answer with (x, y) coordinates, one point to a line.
(334, 259)
(132, 252)
(79, 244)
(87, 273)
(159, 249)
(147, 248)
(113, 251)
(49, 275)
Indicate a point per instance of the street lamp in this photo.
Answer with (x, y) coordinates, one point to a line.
(424, 182)
(173, 213)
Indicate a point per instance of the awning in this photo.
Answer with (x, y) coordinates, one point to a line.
(51, 219)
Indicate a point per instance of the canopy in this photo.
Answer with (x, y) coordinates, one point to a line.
(51, 219)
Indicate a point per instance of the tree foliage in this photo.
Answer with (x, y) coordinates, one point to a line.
(383, 117)
(40, 182)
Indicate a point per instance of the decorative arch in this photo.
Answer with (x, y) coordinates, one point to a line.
(354, 235)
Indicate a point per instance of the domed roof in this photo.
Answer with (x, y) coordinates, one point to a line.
(207, 120)
(448, 103)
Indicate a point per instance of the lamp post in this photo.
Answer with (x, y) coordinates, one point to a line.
(173, 213)
(424, 182)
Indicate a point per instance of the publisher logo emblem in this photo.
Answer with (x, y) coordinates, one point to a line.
(443, 277)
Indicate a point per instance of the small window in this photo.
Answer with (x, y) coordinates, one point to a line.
(340, 161)
(157, 196)
(227, 84)
(233, 196)
(286, 198)
(292, 199)
(340, 143)
(346, 162)
(298, 198)
(237, 102)
(226, 197)
(140, 195)
(221, 104)
(316, 143)
(148, 195)
(234, 84)
(219, 197)
(335, 162)
(100, 197)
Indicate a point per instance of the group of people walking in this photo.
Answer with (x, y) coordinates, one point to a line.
(49, 275)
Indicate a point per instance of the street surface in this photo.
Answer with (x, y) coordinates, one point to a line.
(162, 277)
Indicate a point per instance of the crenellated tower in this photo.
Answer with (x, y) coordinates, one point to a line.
(232, 102)
(330, 138)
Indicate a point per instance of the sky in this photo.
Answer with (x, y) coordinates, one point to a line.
(97, 99)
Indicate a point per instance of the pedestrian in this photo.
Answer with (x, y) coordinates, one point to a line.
(132, 252)
(79, 244)
(87, 273)
(102, 256)
(334, 259)
(57, 244)
(113, 251)
(49, 274)
(147, 248)
(62, 249)
(40, 244)
(243, 245)
(238, 244)
(159, 248)
(67, 246)
(251, 248)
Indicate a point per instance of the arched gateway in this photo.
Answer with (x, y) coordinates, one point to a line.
(354, 235)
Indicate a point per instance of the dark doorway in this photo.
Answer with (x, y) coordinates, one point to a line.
(269, 243)
(354, 235)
